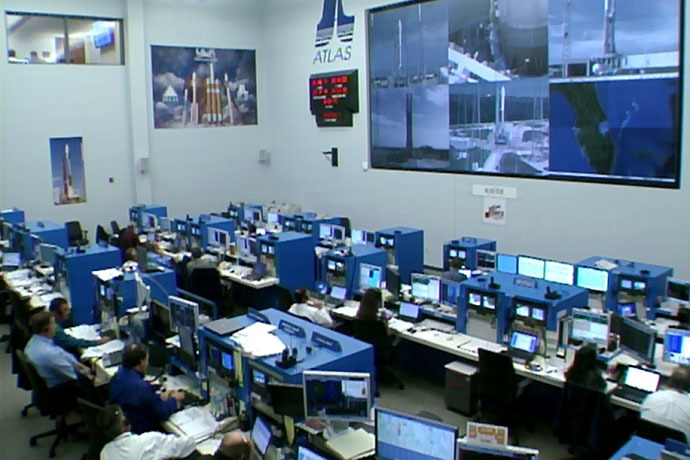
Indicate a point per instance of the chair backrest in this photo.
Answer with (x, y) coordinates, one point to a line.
(658, 433)
(284, 298)
(97, 439)
(375, 334)
(497, 379)
(114, 227)
(101, 234)
(205, 282)
(74, 232)
(39, 388)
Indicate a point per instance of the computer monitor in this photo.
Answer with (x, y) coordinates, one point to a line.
(522, 310)
(593, 279)
(393, 281)
(261, 435)
(678, 290)
(474, 299)
(637, 339)
(486, 260)
(149, 221)
(408, 311)
(469, 451)
(458, 253)
(531, 266)
(286, 399)
(307, 454)
(632, 284)
(426, 287)
(359, 237)
(559, 272)
(338, 293)
(164, 224)
(325, 231)
(338, 233)
(184, 313)
(160, 320)
(243, 246)
(590, 326)
(677, 346)
(47, 253)
(627, 310)
(337, 395)
(489, 302)
(218, 238)
(507, 263)
(273, 218)
(450, 293)
(369, 276)
(404, 436)
(524, 342)
(386, 241)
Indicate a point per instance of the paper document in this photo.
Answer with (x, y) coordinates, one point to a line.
(346, 310)
(352, 444)
(604, 264)
(257, 340)
(399, 325)
(84, 331)
(100, 350)
(195, 422)
(107, 274)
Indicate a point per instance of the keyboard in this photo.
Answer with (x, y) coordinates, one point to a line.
(629, 393)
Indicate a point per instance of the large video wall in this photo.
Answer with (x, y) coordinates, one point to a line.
(564, 89)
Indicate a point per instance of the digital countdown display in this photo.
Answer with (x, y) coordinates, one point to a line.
(334, 97)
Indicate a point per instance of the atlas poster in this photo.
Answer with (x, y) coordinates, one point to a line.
(203, 87)
(69, 178)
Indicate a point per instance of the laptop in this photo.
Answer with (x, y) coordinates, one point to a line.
(258, 272)
(523, 346)
(224, 326)
(336, 297)
(408, 312)
(637, 384)
(143, 261)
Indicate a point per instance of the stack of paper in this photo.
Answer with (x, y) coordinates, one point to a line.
(399, 325)
(257, 340)
(195, 422)
(347, 311)
(100, 350)
(84, 331)
(107, 274)
(353, 444)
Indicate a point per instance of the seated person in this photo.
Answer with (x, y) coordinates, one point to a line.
(129, 237)
(235, 446)
(452, 274)
(147, 446)
(61, 310)
(144, 407)
(131, 262)
(199, 260)
(310, 309)
(585, 369)
(671, 406)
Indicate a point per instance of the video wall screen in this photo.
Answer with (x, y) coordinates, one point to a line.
(561, 89)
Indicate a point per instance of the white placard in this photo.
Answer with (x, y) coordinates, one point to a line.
(494, 191)
(482, 433)
(494, 211)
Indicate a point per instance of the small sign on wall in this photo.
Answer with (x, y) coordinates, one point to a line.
(494, 211)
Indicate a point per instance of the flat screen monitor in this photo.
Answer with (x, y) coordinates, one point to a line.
(164, 224)
(408, 311)
(538, 313)
(486, 260)
(243, 246)
(678, 290)
(628, 310)
(531, 266)
(227, 363)
(593, 279)
(522, 310)
(325, 231)
(489, 302)
(218, 238)
(590, 326)
(184, 313)
(361, 237)
(393, 281)
(387, 242)
(287, 399)
(523, 341)
(337, 395)
(273, 218)
(369, 276)
(426, 287)
(160, 319)
(467, 451)
(474, 299)
(47, 253)
(637, 339)
(457, 253)
(338, 292)
(677, 346)
(404, 436)
(195, 230)
(261, 435)
(559, 272)
(149, 221)
(450, 293)
(507, 263)
(307, 454)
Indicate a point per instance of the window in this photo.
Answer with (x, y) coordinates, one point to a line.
(49, 39)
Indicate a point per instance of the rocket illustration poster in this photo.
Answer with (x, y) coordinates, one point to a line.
(203, 87)
(69, 179)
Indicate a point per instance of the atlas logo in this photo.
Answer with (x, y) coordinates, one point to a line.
(326, 26)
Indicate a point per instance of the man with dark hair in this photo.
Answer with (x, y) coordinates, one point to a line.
(452, 274)
(61, 310)
(671, 407)
(124, 445)
(138, 398)
(312, 310)
(55, 365)
(199, 260)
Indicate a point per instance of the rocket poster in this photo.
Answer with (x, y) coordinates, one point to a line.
(69, 179)
(203, 87)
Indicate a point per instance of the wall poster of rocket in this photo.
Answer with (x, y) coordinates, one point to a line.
(203, 87)
(69, 179)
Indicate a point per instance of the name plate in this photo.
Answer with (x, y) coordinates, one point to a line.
(326, 342)
(256, 315)
(292, 329)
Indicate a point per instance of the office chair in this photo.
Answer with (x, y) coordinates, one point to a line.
(284, 299)
(75, 235)
(585, 420)
(114, 227)
(658, 433)
(102, 235)
(89, 412)
(205, 282)
(54, 402)
(375, 334)
(498, 390)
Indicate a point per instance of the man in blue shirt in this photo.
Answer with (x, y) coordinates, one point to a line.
(61, 309)
(54, 364)
(143, 406)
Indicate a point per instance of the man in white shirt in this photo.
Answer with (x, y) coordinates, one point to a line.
(671, 407)
(311, 310)
(146, 446)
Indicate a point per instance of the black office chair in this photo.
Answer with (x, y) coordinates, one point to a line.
(114, 227)
(102, 235)
(90, 412)
(205, 282)
(498, 391)
(75, 235)
(658, 433)
(585, 420)
(284, 298)
(375, 334)
(54, 402)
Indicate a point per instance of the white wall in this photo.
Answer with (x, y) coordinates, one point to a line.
(40, 102)
(562, 220)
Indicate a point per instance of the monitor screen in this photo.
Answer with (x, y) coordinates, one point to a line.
(47, 253)
(678, 290)
(590, 326)
(273, 218)
(258, 377)
(626, 283)
(524, 342)
(403, 436)
(489, 302)
(639, 285)
(677, 346)
(628, 310)
(486, 260)
(593, 279)
(227, 361)
(455, 253)
(530, 266)
(337, 395)
(507, 263)
(559, 272)
(538, 314)
(637, 339)
(287, 399)
(386, 241)
(642, 379)
(184, 313)
(338, 233)
(338, 292)
(369, 277)
(325, 231)
(522, 310)
(187, 350)
(243, 246)
(426, 287)
(468, 451)
(160, 318)
(450, 293)
(307, 454)
(474, 299)
(149, 221)
(358, 237)
(261, 435)
(408, 310)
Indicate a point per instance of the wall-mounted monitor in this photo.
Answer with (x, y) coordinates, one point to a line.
(593, 279)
